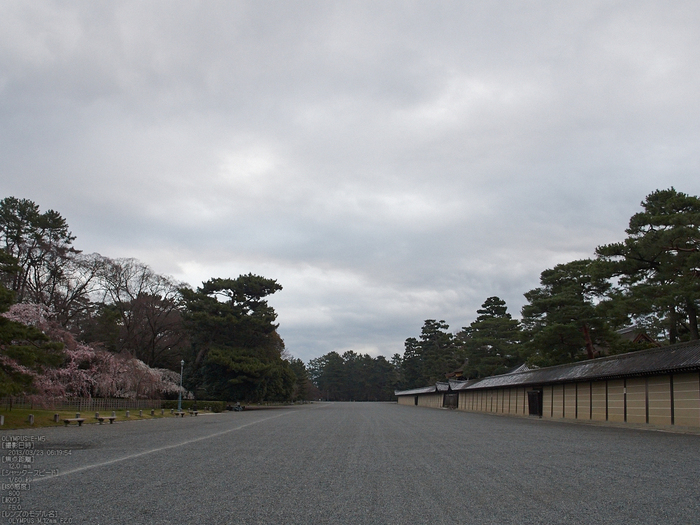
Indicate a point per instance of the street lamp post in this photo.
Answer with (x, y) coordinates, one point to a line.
(179, 392)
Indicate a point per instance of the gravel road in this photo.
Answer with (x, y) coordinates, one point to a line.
(362, 463)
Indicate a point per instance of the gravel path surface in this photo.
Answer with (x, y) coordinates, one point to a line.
(364, 463)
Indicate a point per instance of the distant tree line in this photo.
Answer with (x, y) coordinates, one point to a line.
(352, 377)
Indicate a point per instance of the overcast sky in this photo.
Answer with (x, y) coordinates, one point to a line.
(386, 162)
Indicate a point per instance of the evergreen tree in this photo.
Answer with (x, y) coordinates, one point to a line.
(328, 374)
(302, 388)
(41, 245)
(563, 322)
(658, 264)
(412, 365)
(491, 341)
(431, 357)
(25, 351)
(236, 351)
(439, 351)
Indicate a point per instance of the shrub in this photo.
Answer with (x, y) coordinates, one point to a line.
(215, 406)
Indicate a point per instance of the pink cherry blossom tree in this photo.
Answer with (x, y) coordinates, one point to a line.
(89, 371)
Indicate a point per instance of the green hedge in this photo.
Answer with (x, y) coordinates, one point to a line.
(214, 406)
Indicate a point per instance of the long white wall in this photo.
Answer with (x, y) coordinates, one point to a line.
(670, 399)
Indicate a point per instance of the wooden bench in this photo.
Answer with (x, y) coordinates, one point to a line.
(101, 419)
(78, 420)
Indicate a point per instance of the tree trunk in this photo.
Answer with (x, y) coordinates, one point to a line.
(589, 343)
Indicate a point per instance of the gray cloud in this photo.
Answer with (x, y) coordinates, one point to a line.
(387, 163)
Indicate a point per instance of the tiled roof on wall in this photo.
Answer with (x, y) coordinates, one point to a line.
(677, 358)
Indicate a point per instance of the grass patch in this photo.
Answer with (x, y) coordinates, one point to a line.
(19, 417)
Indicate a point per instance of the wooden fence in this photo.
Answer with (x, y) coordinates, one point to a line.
(80, 404)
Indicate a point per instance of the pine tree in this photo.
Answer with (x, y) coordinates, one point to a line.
(658, 264)
(491, 341)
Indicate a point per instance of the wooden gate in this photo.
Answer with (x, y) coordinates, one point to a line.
(450, 400)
